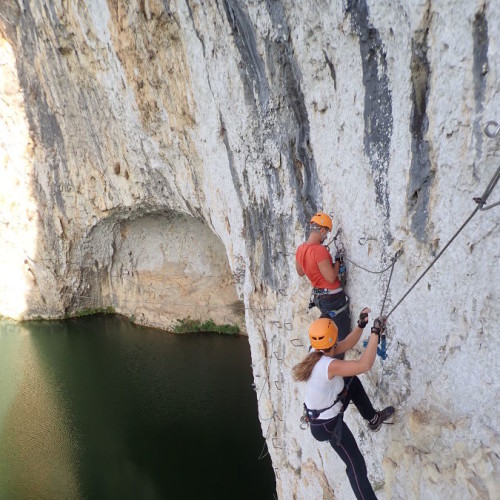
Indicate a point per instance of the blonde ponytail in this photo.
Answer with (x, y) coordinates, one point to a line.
(303, 370)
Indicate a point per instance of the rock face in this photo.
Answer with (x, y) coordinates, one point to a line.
(163, 158)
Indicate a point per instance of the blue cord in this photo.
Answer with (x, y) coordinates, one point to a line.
(381, 348)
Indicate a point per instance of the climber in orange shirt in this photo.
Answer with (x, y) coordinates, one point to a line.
(313, 260)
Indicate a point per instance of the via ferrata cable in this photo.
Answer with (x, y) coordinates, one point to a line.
(480, 201)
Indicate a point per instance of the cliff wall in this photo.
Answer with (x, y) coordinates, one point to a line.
(163, 158)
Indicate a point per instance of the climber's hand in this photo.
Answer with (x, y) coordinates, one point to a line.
(379, 325)
(363, 317)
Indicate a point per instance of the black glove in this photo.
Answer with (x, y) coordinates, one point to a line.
(363, 319)
(379, 326)
(337, 257)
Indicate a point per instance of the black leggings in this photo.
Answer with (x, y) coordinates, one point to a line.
(349, 452)
(347, 449)
(357, 394)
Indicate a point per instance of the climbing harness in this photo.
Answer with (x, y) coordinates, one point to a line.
(309, 416)
(326, 291)
(312, 415)
(333, 312)
(336, 312)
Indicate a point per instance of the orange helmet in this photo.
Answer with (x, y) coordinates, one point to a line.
(322, 219)
(323, 333)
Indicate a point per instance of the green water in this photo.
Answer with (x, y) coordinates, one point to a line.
(97, 408)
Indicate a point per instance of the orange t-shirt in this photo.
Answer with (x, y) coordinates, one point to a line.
(308, 255)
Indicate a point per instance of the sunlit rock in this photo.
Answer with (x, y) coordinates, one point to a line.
(163, 159)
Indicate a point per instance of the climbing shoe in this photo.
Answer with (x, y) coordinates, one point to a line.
(381, 416)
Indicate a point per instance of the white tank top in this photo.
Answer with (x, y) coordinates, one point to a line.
(321, 392)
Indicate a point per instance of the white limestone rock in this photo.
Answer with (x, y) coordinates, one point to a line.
(201, 136)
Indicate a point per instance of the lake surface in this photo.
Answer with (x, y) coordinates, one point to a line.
(98, 408)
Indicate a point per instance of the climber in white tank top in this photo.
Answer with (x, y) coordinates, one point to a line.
(321, 391)
(326, 397)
